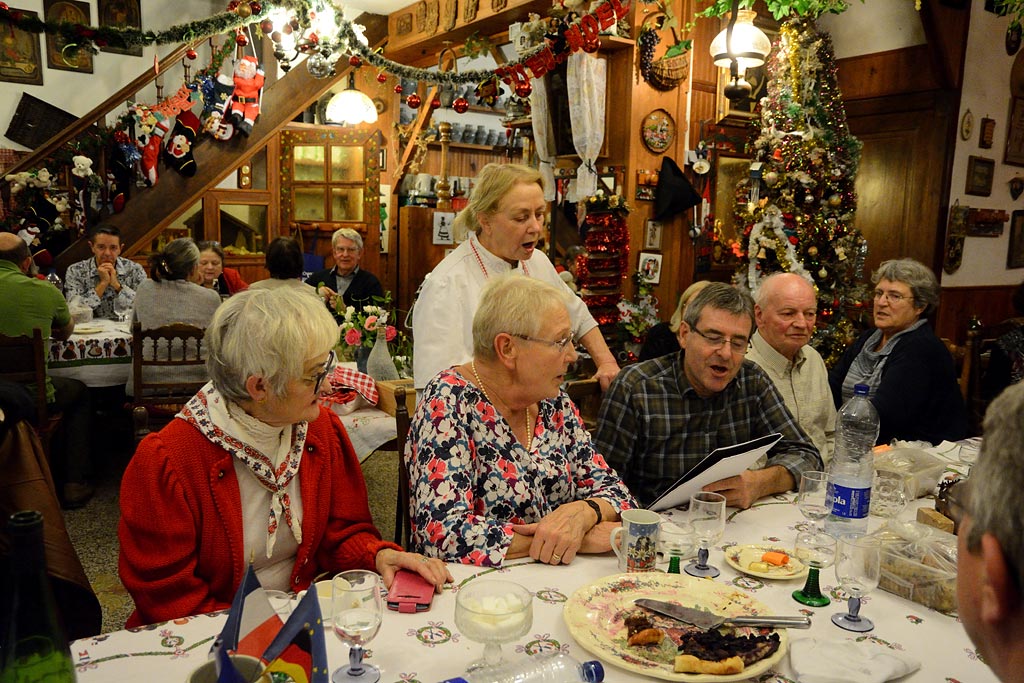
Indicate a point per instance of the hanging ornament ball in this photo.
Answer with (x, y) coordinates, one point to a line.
(822, 274)
(355, 61)
(382, 77)
(191, 54)
(398, 89)
(523, 88)
(243, 10)
(267, 26)
(835, 200)
(808, 198)
(276, 36)
(287, 28)
(508, 133)
(241, 40)
(460, 105)
(255, 7)
(294, 23)
(318, 66)
(233, 5)
(812, 251)
(771, 177)
(435, 103)
(413, 101)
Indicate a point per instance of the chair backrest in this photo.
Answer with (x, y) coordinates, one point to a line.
(983, 340)
(402, 422)
(168, 364)
(23, 360)
(586, 394)
(962, 363)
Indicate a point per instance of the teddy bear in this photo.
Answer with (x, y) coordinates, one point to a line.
(82, 166)
(245, 99)
(18, 181)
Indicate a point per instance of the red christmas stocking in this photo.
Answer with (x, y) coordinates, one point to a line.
(150, 146)
(178, 152)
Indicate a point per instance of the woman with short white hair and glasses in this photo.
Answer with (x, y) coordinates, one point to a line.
(908, 369)
(252, 470)
(500, 463)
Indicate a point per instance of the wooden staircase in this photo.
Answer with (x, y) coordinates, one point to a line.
(150, 209)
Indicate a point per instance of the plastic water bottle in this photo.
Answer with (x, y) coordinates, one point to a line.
(852, 469)
(553, 668)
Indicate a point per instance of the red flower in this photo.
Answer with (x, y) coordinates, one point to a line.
(353, 337)
(371, 321)
(390, 332)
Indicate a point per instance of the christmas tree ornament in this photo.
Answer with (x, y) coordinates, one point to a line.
(191, 54)
(355, 62)
(460, 105)
(241, 40)
(266, 26)
(523, 88)
(398, 89)
(255, 7)
(413, 100)
(382, 77)
(435, 103)
(318, 66)
(243, 10)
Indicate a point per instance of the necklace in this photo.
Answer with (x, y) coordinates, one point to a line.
(479, 383)
(483, 268)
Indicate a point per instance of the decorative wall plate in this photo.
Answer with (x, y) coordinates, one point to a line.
(658, 131)
(966, 125)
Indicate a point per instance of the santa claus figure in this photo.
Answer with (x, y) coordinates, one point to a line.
(245, 100)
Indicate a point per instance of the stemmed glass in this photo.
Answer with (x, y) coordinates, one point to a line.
(707, 515)
(888, 498)
(356, 612)
(858, 566)
(817, 550)
(493, 612)
(812, 498)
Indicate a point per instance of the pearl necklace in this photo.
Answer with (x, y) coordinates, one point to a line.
(479, 383)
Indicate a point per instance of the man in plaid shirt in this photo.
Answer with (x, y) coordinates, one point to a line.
(661, 417)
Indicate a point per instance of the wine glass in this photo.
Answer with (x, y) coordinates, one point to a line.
(812, 498)
(492, 612)
(707, 515)
(356, 612)
(817, 550)
(858, 566)
(888, 498)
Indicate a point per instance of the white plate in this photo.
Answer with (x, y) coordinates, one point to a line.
(794, 569)
(595, 612)
(88, 329)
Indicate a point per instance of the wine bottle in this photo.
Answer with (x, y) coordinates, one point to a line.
(33, 646)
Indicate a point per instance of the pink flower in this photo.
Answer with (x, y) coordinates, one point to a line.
(353, 337)
(390, 332)
(371, 321)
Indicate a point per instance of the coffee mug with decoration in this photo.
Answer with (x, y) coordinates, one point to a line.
(637, 551)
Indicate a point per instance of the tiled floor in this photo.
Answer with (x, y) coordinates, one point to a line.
(93, 530)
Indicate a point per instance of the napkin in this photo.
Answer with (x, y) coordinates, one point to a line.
(346, 383)
(846, 661)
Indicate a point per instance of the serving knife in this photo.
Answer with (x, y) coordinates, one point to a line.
(705, 620)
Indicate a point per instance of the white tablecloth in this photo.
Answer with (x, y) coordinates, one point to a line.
(99, 359)
(368, 429)
(426, 647)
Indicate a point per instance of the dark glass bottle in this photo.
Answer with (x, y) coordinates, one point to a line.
(33, 646)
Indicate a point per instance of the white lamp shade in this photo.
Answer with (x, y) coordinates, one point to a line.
(350, 107)
(750, 46)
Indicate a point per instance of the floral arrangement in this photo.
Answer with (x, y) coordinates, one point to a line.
(602, 202)
(640, 315)
(359, 326)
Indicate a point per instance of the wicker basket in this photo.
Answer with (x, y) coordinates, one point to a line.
(665, 73)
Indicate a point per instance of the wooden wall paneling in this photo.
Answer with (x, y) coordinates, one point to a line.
(417, 254)
(880, 74)
(991, 304)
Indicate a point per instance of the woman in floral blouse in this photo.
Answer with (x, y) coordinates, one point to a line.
(500, 464)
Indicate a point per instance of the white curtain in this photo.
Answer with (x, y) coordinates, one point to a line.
(543, 135)
(587, 78)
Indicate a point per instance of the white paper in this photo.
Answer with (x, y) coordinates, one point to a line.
(721, 463)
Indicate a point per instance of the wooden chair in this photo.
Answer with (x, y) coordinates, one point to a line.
(161, 381)
(23, 360)
(402, 421)
(586, 394)
(962, 363)
(983, 340)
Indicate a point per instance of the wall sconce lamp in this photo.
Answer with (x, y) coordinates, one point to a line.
(350, 107)
(740, 46)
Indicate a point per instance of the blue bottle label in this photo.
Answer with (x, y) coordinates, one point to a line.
(850, 503)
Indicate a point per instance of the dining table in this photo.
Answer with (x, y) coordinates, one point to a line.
(570, 607)
(98, 353)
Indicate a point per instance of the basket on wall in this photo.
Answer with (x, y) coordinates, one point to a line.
(664, 73)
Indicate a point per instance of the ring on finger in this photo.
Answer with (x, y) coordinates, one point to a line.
(556, 557)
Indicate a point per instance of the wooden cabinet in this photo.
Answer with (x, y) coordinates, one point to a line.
(417, 254)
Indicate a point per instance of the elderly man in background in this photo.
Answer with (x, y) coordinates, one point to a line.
(27, 303)
(990, 544)
(356, 287)
(785, 309)
(661, 417)
(106, 282)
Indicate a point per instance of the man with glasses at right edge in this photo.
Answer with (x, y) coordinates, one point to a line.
(661, 417)
(990, 540)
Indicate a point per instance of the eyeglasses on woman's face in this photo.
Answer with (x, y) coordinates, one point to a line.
(717, 341)
(562, 344)
(891, 296)
(318, 379)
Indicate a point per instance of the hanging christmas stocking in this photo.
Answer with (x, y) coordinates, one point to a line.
(178, 152)
(153, 128)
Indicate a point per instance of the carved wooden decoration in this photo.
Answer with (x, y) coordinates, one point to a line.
(449, 14)
(433, 12)
(498, 5)
(403, 26)
(421, 16)
(469, 10)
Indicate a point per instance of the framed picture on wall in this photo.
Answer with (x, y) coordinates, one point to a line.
(59, 53)
(650, 267)
(652, 235)
(979, 176)
(120, 14)
(1014, 154)
(20, 60)
(1015, 252)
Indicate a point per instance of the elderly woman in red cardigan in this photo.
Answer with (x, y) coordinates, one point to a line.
(252, 469)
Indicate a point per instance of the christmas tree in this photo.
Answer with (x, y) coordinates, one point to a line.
(798, 204)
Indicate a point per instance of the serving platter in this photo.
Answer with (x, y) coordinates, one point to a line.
(595, 613)
(794, 569)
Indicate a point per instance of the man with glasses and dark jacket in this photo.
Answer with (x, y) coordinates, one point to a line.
(346, 279)
(661, 417)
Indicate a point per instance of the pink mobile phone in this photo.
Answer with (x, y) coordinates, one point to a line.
(410, 592)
